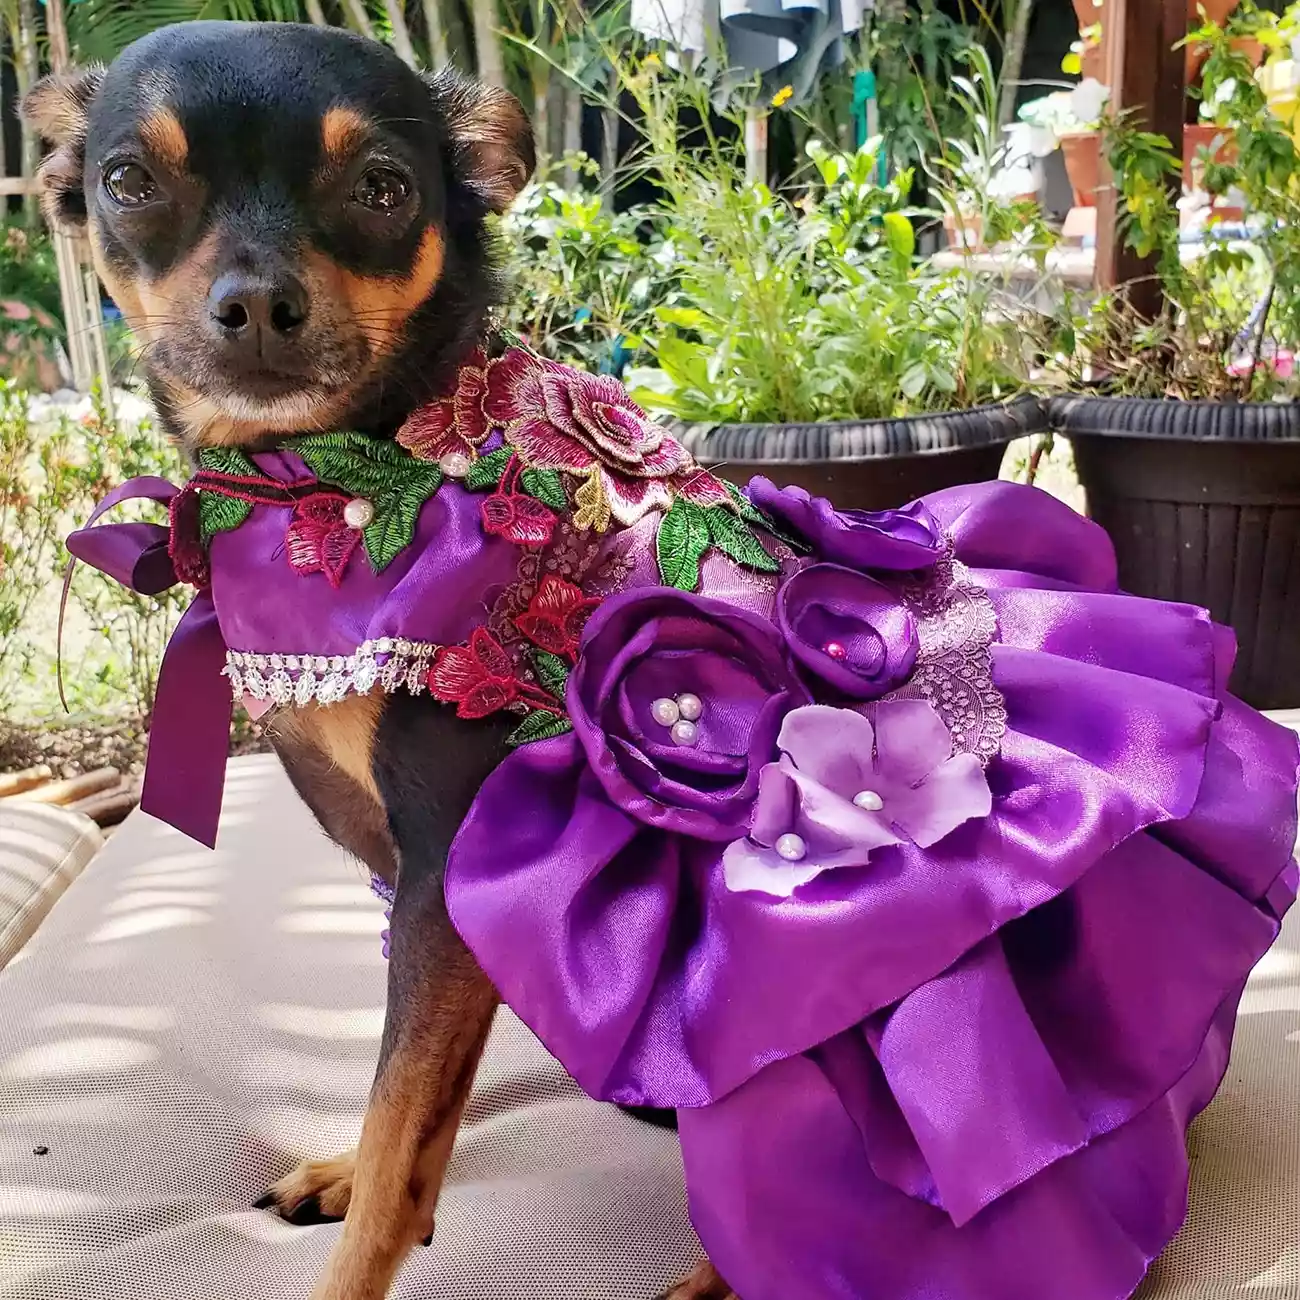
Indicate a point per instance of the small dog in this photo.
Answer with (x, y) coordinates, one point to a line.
(294, 224)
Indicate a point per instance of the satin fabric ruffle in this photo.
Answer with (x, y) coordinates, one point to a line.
(934, 1077)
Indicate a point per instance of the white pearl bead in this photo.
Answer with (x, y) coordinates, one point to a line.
(690, 706)
(792, 847)
(358, 513)
(868, 800)
(665, 711)
(684, 733)
(455, 464)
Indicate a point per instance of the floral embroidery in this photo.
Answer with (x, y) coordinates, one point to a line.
(184, 538)
(556, 616)
(479, 678)
(319, 540)
(381, 473)
(455, 425)
(517, 517)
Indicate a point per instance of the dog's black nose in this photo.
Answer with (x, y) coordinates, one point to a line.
(248, 305)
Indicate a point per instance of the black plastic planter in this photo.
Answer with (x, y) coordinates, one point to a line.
(1202, 501)
(869, 464)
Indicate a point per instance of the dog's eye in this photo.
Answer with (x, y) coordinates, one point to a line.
(130, 185)
(382, 189)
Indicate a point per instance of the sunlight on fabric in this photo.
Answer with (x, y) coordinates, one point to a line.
(193, 877)
(310, 1134)
(74, 1056)
(142, 898)
(150, 921)
(343, 921)
(47, 1201)
(345, 895)
(143, 1019)
(360, 1024)
(309, 1076)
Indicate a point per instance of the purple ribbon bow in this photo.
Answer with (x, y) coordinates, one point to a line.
(189, 735)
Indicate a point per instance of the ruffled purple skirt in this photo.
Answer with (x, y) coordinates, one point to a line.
(962, 1072)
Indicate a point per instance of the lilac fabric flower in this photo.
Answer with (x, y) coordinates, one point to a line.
(844, 788)
(690, 767)
(848, 630)
(909, 538)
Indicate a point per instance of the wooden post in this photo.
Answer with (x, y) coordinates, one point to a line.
(1146, 76)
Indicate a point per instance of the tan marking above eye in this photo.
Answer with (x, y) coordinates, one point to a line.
(164, 137)
(341, 130)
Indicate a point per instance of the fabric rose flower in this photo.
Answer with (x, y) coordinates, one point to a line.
(319, 539)
(847, 630)
(677, 701)
(909, 538)
(844, 788)
(454, 425)
(562, 419)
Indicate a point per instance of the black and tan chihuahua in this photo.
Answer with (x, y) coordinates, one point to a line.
(295, 225)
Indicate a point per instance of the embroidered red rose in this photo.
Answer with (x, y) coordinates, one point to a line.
(556, 616)
(517, 518)
(454, 425)
(478, 678)
(318, 540)
(561, 419)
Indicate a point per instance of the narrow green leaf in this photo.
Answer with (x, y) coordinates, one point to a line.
(735, 537)
(539, 725)
(396, 513)
(546, 485)
(487, 470)
(682, 539)
(552, 672)
(221, 514)
(364, 466)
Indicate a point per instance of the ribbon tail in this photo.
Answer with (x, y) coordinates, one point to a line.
(185, 772)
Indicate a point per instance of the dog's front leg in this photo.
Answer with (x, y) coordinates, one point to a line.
(428, 767)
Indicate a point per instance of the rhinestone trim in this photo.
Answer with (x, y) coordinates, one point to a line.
(393, 663)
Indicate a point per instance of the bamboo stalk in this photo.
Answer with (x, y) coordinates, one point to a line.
(28, 779)
(401, 33)
(437, 33)
(358, 19)
(315, 14)
(110, 807)
(66, 792)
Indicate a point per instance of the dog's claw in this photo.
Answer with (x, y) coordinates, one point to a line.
(428, 1241)
(266, 1202)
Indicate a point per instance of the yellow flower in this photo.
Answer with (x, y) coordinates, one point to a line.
(652, 61)
(783, 96)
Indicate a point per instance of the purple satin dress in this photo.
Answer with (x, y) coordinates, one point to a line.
(914, 864)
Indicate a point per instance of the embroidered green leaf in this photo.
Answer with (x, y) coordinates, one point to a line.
(546, 485)
(396, 513)
(748, 511)
(386, 475)
(552, 672)
(539, 725)
(487, 470)
(220, 514)
(682, 539)
(734, 537)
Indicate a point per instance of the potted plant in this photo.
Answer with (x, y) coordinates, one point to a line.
(1071, 121)
(805, 340)
(1189, 448)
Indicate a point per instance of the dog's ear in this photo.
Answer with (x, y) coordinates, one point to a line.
(492, 152)
(58, 110)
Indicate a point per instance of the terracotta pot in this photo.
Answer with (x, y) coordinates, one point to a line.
(1251, 49)
(968, 234)
(1082, 151)
(1093, 61)
(1199, 139)
(1087, 12)
(1216, 11)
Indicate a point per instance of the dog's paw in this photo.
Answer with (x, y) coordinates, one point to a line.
(703, 1284)
(318, 1191)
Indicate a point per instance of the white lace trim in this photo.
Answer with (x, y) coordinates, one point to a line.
(393, 663)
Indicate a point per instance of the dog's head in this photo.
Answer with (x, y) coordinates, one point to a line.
(290, 218)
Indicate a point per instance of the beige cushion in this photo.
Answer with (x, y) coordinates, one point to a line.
(42, 850)
(186, 1026)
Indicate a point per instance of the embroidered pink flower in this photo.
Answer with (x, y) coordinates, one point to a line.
(318, 539)
(518, 518)
(454, 425)
(562, 419)
(843, 789)
(478, 678)
(556, 616)
(700, 488)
